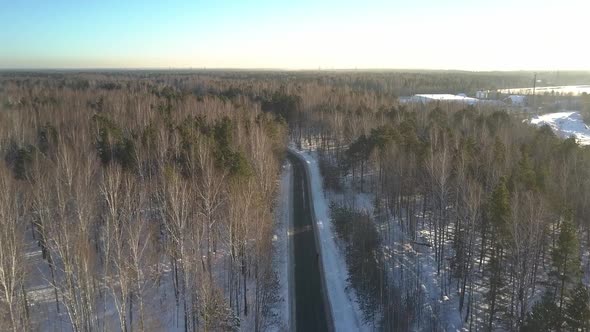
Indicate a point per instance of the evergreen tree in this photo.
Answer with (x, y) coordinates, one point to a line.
(496, 283)
(499, 211)
(566, 260)
(525, 173)
(499, 151)
(359, 152)
(577, 309)
(544, 316)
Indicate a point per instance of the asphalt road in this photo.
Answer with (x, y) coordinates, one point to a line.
(309, 301)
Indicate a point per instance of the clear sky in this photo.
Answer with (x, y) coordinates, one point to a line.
(430, 34)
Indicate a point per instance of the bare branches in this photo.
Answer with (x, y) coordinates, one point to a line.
(12, 268)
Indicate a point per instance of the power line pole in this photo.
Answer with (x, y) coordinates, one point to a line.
(534, 88)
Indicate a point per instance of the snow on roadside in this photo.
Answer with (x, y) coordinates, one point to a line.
(282, 252)
(346, 313)
(565, 124)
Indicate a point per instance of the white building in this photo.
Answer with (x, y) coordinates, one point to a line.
(482, 94)
(516, 100)
(427, 98)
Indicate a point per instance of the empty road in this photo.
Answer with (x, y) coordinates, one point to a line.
(310, 308)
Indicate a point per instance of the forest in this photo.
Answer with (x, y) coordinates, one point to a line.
(126, 189)
(145, 200)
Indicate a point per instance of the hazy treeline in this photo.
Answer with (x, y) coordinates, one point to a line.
(383, 82)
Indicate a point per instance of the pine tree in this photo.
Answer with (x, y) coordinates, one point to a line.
(577, 309)
(525, 172)
(544, 316)
(499, 212)
(496, 283)
(566, 260)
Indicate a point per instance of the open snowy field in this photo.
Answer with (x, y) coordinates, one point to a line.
(560, 90)
(565, 124)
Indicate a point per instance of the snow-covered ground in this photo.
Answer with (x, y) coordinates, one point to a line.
(409, 263)
(413, 268)
(563, 90)
(163, 312)
(565, 124)
(346, 312)
(426, 98)
(282, 256)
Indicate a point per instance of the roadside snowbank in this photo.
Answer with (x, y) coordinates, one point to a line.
(282, 254)
(346, 313)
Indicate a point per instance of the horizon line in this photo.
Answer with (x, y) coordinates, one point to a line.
(319, 69)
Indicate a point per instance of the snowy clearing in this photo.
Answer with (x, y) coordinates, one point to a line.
(426, 98)
(565, 124)
(540, 90)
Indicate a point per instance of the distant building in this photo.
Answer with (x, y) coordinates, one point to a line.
(482, 94)
(516, 100)
(426, 98)
(448, 98)
(492, 102)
